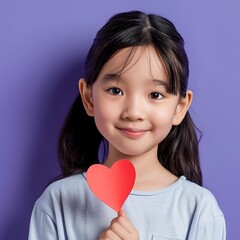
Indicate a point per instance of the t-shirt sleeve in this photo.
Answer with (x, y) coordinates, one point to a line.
(208, 222)
(42, 226)
(212, 230)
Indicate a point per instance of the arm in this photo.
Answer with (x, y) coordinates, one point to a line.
(120, 228)
(212, 230)
(42, 225)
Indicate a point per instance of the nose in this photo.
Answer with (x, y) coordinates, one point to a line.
(133, 109)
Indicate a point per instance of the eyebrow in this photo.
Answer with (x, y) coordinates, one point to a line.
(159, 82)
(111, 77)
(116, 77)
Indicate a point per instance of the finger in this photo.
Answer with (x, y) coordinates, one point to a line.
(124, 221)
(119, 230)
(109, 235)
(121, 213)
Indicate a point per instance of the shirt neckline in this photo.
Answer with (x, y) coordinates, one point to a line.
(160, 191)
(172, 186)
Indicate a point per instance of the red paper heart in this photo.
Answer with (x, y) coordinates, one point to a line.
(112, 185)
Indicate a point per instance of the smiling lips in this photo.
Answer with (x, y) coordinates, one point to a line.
(132, 133)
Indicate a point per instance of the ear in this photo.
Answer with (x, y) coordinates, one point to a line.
(86, 95)
(182, 108)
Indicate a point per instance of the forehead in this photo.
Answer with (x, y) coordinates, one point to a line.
(142, 60)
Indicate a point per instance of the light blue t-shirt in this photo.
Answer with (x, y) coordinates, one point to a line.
(69, 210)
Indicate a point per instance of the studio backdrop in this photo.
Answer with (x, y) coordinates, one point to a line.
(43, 45)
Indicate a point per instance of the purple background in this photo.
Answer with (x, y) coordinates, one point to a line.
(43, 45)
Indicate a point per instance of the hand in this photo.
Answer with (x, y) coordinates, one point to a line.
(120, 229)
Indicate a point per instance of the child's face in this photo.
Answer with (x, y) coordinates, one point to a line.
(133, 110)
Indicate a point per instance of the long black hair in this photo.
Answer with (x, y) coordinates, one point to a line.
(80, 139)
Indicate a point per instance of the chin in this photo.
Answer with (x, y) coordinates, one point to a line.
(132, 152)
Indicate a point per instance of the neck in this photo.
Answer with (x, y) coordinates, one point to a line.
(150, 174)
(142, 162)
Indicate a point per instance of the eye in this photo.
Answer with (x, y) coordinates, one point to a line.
(115, 91)
(156, 95)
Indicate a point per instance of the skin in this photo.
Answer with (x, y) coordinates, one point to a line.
(134, 112)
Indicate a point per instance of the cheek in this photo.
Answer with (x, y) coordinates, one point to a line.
(104, 107)
(163, 118)
(103, 115)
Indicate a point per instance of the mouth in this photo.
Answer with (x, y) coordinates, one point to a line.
(132, 132)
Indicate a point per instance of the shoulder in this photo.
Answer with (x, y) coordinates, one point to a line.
(203, 199)
(68, 184)
(196, 191)
(63, 191)
(208, 218)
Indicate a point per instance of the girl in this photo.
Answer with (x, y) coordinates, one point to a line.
(134, 104)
